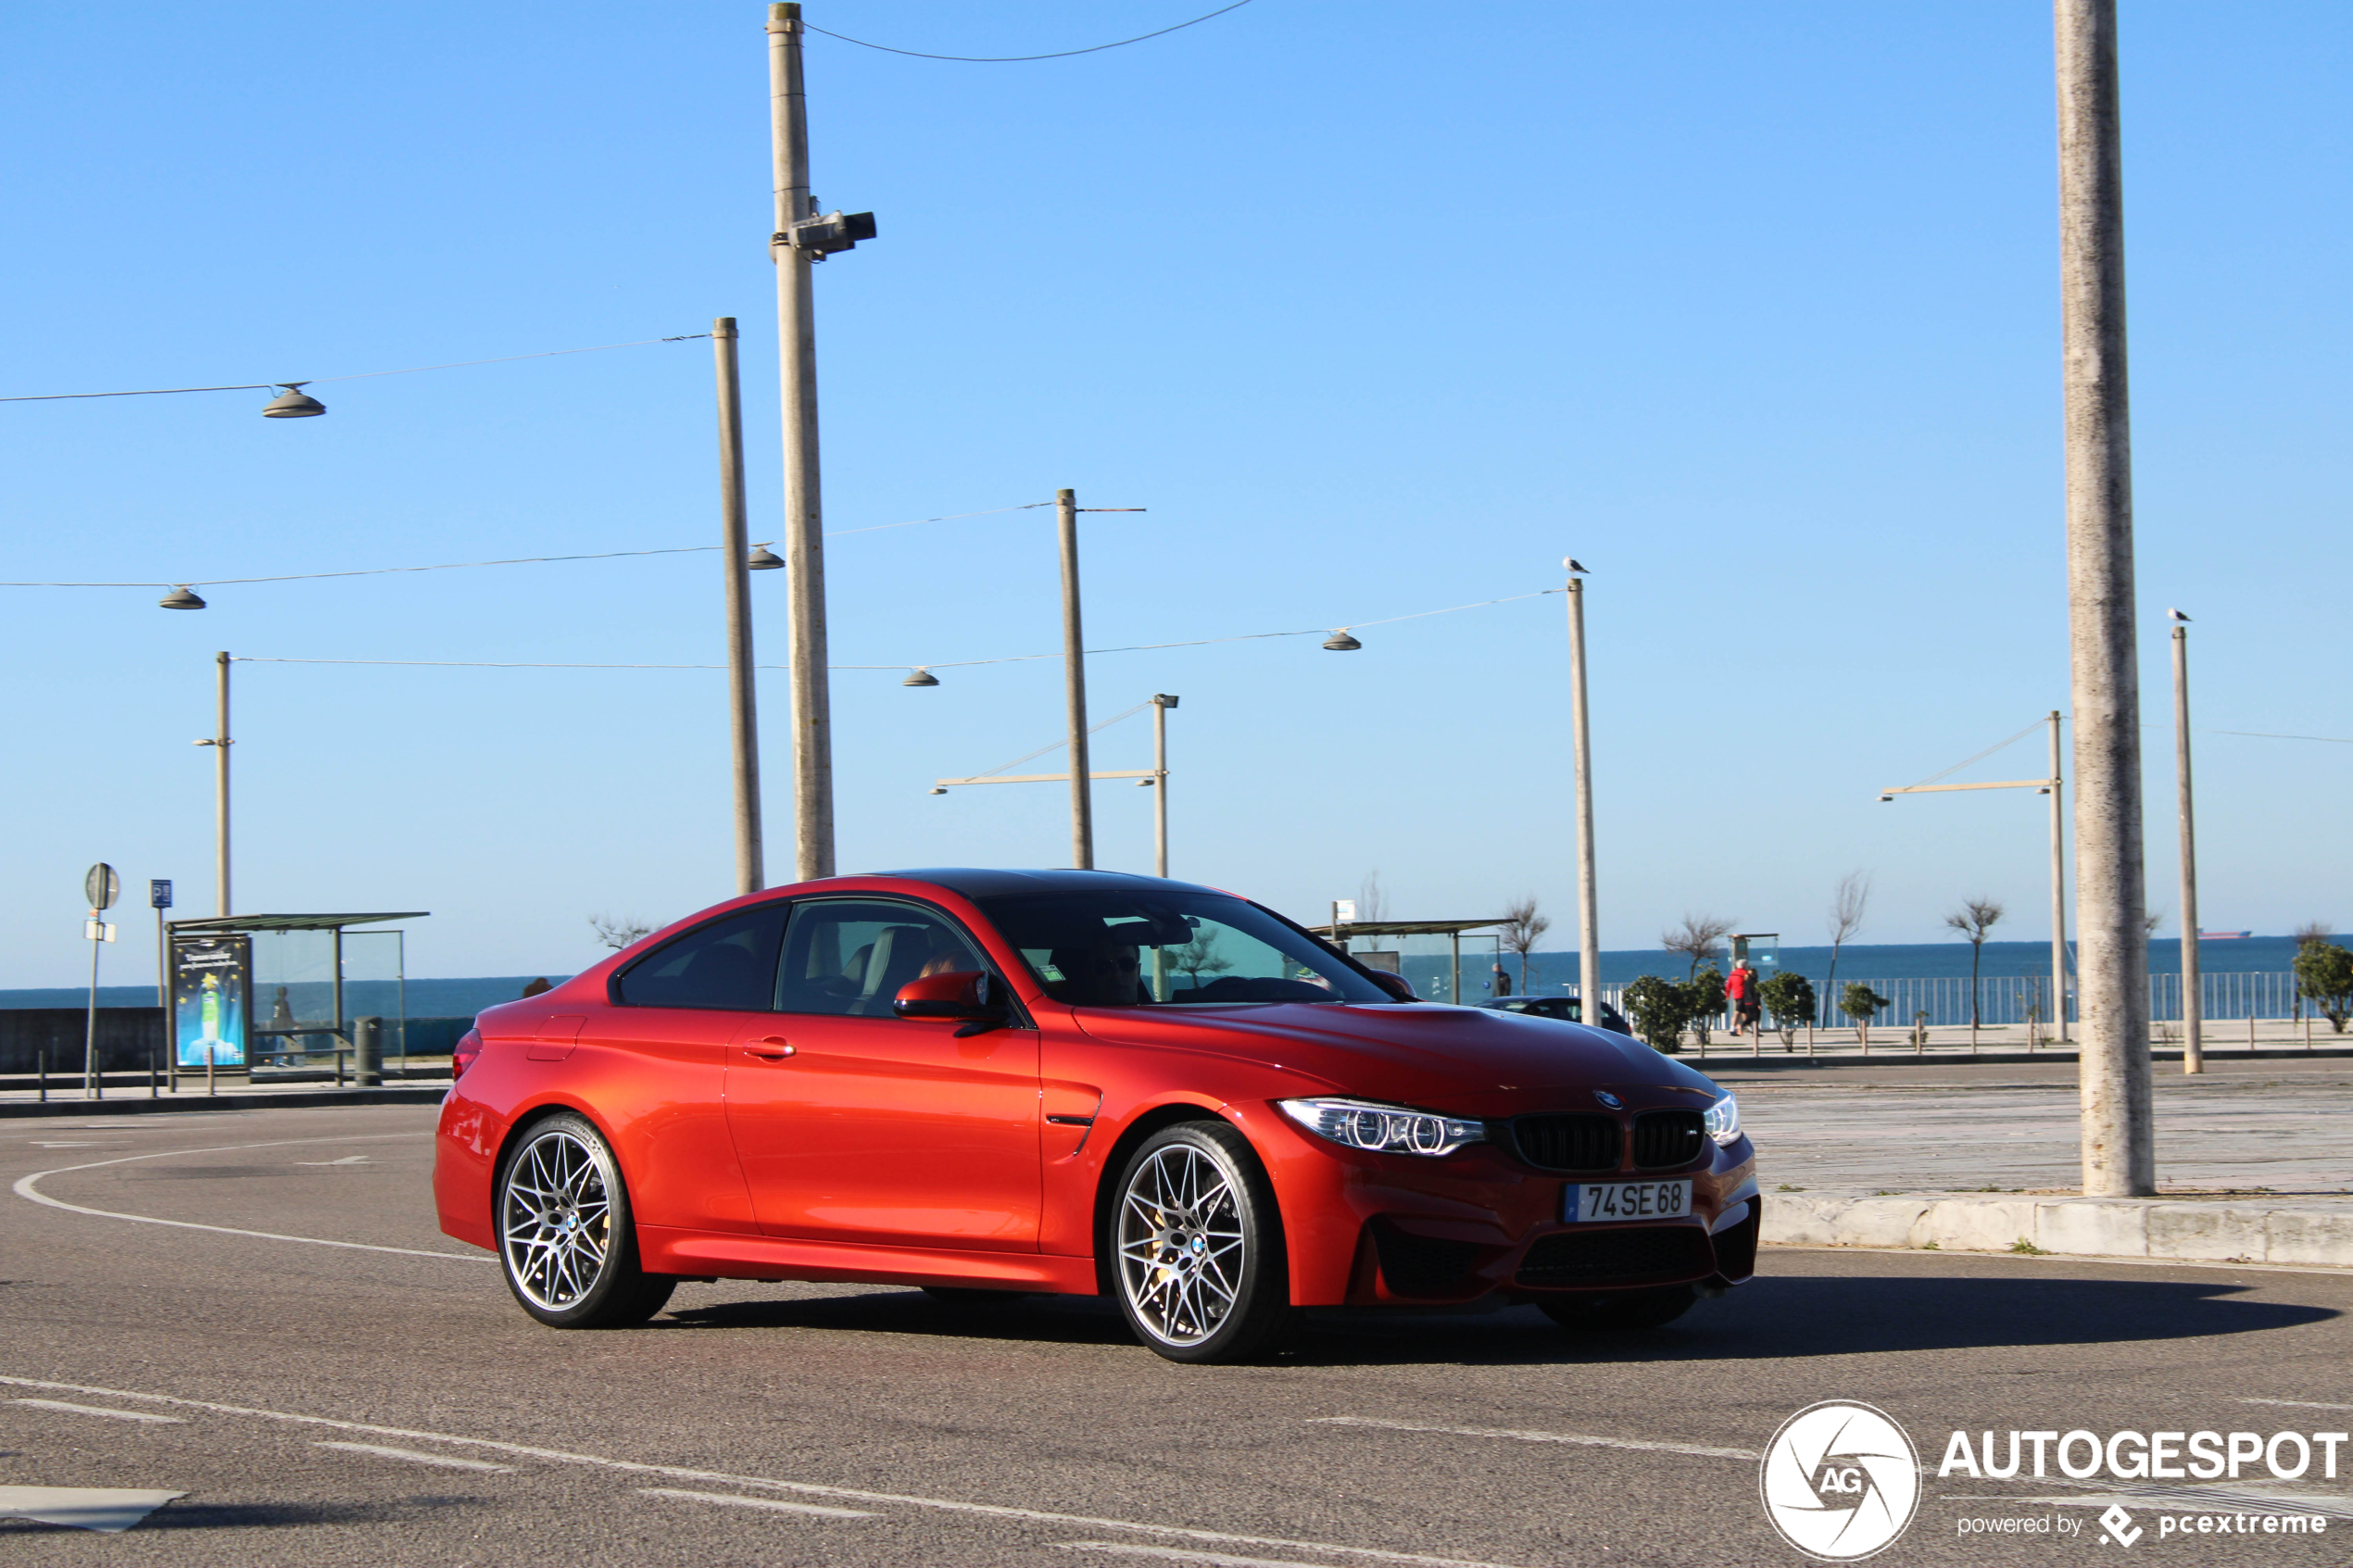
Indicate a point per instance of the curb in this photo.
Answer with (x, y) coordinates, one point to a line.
(1778, 1061)
(303, 1102)
(2074, 1227)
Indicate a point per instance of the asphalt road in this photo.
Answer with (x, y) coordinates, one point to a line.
(384, 1401)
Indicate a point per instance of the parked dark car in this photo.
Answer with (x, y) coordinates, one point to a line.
(1568, 1007)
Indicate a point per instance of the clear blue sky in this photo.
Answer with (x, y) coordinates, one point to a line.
(1379, 308)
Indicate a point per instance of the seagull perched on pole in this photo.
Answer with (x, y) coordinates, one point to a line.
(1570, 562)
(2177, 615)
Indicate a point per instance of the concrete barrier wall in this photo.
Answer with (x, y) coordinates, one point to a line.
(2081, 1227)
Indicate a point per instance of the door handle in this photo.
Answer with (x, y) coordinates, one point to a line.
(769, 1049)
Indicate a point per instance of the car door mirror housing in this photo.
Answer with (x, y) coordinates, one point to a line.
(1396, 985)
(969, 996)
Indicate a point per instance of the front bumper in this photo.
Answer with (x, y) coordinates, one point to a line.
(1365, 1229)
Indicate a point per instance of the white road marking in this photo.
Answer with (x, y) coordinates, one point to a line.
(1578, 1439)
(447, 1461)
(805, 1488)
(347, 1159)
(2300, 1404)
(774, 1505)
(1175, 1554)
(26, 1190)
(101, 1409)
(110, 1509)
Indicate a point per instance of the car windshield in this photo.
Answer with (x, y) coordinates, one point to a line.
(1174, 948)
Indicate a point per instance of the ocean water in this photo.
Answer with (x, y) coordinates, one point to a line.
(425, 997)
(1425, 961)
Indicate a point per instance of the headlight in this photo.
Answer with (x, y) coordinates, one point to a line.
(1387, 1129)
(1723, 1120)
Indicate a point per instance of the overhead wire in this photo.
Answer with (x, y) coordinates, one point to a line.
(516, 560)
(1015, 60)
(363, 375)
(1982, 754)
(936, 664)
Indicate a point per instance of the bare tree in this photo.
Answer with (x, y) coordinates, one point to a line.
(1522, 928)
(2312, 930)
(2152, 919)
(1848, 900)
(1372, 903)
(1696, 939)
(1973, 919)
(618, 931)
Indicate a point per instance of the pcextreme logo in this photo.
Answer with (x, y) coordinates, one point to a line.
(1840, 1481)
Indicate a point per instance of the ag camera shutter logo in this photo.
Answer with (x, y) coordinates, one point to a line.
(1840, 1481)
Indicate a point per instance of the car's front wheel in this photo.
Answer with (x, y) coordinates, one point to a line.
(565, 1238)
(1198, 1243)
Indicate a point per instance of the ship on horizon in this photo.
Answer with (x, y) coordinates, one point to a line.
(2223, 936)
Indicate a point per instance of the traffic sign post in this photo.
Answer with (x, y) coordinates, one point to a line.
(102, 886)
(160, 896)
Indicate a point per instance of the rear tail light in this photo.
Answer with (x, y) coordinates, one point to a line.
(463, 1054)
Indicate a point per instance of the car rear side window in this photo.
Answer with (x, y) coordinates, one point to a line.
(730, 963)
(850, 956)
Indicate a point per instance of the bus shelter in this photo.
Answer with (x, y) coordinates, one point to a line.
(1345, 933)
(267, 992)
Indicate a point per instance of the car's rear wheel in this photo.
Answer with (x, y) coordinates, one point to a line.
(1605, 1310)
(1198, 1241)
(566, 1240)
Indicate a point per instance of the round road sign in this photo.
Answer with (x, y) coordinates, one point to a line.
(103, 886)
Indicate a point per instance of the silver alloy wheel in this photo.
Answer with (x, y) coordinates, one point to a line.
(554, 1220)
(1181, 1250)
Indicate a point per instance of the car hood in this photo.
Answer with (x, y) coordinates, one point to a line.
(1471, 1062)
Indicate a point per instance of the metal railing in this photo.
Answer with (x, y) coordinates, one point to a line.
(2011, 999)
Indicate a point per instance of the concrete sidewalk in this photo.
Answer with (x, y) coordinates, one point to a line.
(2254, 1161)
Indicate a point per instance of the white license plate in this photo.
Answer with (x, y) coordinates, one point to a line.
(1587, 1203)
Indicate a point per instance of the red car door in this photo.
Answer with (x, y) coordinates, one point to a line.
(856, 1125)
(653, 1065)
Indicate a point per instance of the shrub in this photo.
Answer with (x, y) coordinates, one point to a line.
(1704, 1001)
(1860, 1002)
(2324, 973)
(1791, 998)
(1656, 1008)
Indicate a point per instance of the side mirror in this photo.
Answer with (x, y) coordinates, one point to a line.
(967, 995)
(1395, 984)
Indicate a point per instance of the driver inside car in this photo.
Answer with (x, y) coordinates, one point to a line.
(1100, 974)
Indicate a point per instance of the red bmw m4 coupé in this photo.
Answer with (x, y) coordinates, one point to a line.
(1077, 1083)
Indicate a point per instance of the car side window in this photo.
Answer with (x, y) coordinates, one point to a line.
(850, 956)
(730, 963)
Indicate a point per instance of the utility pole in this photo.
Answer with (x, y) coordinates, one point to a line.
(2193, 1002)
(1082, 805)
(2118, 1150)
(800, 240)
(1589, 931)
(735, 552)
(220, 743)
(1162, 703)
(2058, 890)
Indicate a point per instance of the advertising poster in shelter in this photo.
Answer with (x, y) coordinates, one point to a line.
(211, 999)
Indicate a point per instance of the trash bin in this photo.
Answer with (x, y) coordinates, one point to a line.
(367, 1051)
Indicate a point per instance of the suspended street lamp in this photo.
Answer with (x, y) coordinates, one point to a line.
(294, 403)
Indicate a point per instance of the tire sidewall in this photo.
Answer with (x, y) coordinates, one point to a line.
(620, 1244)
(1262, 1299)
